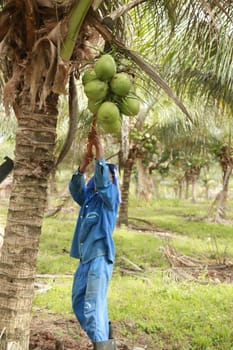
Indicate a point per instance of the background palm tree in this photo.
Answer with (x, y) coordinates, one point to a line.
(220, 144)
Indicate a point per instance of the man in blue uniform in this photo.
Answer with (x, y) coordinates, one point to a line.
(93, 243)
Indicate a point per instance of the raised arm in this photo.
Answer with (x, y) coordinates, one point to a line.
(94, 139)
(103, 181)
(77, 184)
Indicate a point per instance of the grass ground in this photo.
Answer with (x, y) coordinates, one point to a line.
(151, 306)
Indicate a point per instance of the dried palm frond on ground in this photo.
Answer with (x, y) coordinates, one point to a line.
(201, 270)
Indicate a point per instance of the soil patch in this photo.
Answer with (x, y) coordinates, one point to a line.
(54, 332)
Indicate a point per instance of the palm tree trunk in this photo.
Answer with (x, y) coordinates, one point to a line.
(191, 176)
(186, 188)
(144, 183)
(207, 190)
(194, 192)
(195, 173)
(222, 198)
(35, 141)
(123, 212)
(178, 187)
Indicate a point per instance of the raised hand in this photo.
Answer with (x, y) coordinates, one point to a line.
(94, 140)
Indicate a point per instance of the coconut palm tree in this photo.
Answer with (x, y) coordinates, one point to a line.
(42, 42)
(183, 46)
(196, 54)
(220, 144)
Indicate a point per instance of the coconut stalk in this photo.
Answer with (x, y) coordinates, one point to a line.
(76, 19)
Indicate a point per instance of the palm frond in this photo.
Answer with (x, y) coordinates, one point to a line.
(189, 36)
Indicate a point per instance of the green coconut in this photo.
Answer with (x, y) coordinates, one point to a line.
(130, 105)
(121, 84)
(93, 106)
(96, 90)
(112, 128)
(88, 76)
(108, 113)
(105, 67)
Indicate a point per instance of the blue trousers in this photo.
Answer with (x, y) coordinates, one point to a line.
(89, 297)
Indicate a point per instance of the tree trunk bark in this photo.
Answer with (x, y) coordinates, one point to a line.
(186, 188)
(191, 176)
(194, 193)
(145, 183)
(123, 212)
(180, 188)
(207, 190)
(35, 142)
(222, 198)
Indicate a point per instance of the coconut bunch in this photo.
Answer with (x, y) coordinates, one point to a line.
(110, 94)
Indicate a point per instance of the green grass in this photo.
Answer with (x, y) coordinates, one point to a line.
(152, 304)
(191, 316)
(58, 298)
(141, 248)
(180, 216)
(55, 244)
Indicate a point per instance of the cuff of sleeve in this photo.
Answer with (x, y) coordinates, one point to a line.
(100, 162)
(78, 172)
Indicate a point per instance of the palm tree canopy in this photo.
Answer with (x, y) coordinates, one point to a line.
(187, 42)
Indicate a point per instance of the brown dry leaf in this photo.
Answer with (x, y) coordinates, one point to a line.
(43, 65)
(61, 77)
(10, 89)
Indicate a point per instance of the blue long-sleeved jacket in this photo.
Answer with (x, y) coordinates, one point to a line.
(97, 215)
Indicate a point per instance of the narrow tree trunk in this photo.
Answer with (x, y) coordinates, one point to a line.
(222, 198)
(207, 189)
(191, 176)
(35, 141)
(186, 188)
(145, 183)
(123, 212)
(180, 188)
(194, 194)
